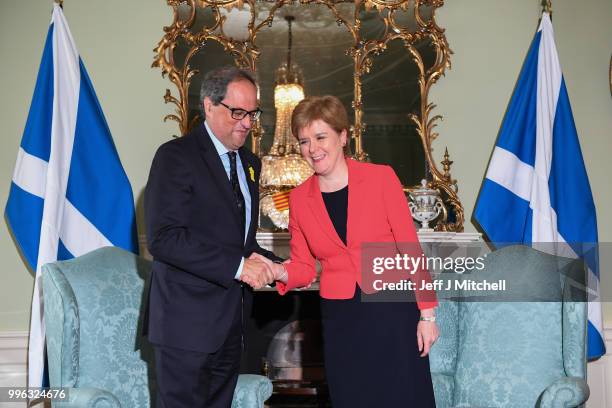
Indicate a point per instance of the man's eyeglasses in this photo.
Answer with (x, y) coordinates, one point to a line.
(239, 114)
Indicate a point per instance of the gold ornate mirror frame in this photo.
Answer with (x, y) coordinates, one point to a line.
(246, 52)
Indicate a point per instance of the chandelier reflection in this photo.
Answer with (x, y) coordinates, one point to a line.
(283, 167)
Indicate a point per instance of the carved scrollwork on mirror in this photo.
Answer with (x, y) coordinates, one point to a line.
(380, 57)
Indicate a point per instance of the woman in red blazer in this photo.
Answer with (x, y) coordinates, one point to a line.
(375, 352)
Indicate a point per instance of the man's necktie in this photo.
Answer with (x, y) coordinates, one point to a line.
(236, 188)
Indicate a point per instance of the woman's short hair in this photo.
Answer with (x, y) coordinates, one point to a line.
(327, 108)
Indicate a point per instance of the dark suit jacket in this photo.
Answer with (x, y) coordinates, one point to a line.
(194, 235)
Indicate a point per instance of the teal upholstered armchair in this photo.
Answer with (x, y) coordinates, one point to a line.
(515, 354)
(93, 305)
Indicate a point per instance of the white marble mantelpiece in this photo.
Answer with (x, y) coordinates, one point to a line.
(458, 237)
(278, 242)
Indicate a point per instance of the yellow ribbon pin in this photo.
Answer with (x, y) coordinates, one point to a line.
(252, 173)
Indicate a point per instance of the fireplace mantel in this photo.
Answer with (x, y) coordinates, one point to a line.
(278, 242)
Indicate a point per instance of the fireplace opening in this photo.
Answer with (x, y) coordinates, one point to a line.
(284, 342)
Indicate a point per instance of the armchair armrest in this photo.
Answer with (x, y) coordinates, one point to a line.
(89, 398)
(565, 392)
(251, 391)
(444, 387)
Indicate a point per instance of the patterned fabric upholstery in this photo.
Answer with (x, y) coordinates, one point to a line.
(443, 357)
(525, 353)
(251, 391)
(93, 305)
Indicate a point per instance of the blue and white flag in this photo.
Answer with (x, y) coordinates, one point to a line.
(69, 193)
(536, 189)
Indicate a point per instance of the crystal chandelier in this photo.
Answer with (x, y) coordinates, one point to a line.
(283, 167)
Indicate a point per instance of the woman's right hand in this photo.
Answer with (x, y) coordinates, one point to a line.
(278, 270)
(427, 331)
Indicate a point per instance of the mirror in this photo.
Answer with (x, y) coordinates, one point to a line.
(316, 41)
(379, 57)
(390, 91)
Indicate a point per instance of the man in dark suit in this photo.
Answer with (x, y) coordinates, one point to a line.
(201, 211)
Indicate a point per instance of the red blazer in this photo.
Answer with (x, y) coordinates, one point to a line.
(377, 212)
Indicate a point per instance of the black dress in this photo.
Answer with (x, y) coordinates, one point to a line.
(370, 348)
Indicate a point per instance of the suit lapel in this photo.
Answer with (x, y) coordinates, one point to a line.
(355, 202)
(251, 178)
(317, 206)
(213, 161)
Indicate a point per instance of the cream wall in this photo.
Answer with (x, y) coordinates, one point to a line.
(489, 38)
(115, 39)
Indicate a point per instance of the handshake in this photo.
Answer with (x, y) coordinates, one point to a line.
(258, 271)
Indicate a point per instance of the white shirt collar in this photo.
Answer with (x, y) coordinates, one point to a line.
(221, 149)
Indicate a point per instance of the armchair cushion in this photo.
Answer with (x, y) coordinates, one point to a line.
(503, 349)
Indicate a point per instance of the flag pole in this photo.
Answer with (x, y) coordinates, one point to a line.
(546, 7)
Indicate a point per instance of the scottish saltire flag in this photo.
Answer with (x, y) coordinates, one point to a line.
(536, 188)
(69, 193)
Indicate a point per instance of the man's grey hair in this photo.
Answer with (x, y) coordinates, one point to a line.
(215, 82)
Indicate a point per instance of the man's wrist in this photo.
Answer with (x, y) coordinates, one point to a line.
(240, 268)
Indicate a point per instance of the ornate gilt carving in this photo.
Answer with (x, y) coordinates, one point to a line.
(363, 52)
